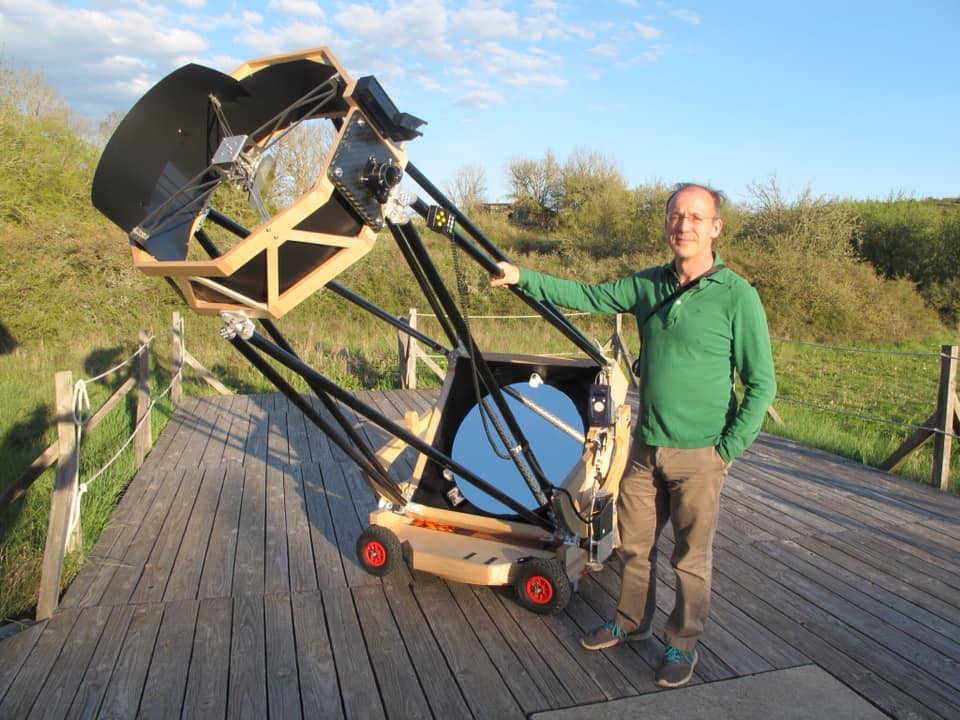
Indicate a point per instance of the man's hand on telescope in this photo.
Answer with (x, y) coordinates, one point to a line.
(509, 275)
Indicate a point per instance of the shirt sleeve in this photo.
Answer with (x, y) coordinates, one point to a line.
(753, 360)
(617, 296)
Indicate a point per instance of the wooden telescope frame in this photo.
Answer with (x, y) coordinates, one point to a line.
(198, 128)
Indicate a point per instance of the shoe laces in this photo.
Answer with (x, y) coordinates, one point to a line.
(675, 654)
(615, 629)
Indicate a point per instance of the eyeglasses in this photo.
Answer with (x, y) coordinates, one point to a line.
(677, 218)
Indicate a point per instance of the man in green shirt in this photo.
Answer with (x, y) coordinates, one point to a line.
(690, 426)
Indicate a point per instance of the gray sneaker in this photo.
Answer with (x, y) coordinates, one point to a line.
(676, 668)
(610, 634)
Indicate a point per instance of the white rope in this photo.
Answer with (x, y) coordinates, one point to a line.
(872, 418)
(126, 362)
(83, 486)
(876, 351)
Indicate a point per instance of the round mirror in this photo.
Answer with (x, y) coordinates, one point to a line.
(549, 420)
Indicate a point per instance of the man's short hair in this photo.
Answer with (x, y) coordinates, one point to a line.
(719, 197)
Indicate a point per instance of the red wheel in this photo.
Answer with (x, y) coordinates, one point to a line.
(539, 589)
(542, 585)
(374, 553)
(378, 550)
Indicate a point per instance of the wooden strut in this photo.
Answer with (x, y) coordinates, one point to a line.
(944, 420)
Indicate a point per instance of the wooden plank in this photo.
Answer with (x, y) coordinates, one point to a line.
(486, 693)
(122, 698)
(346, 525)
(739, 580)
(247, 691)
(278, 448)
(24, 688)
(216, 579)
(238, 431)
(206, 694)
(395, 677)
(439, 686)
(319, 691)
(186, 415)
(276, 562)
(61, 685)
(128, 573)
(190, 360)
(303, 573)
(326, 554)
(929, 691)
(283, 690)
(14, 651)
(167, 677)
(87, 590)
(219, 430)
(892, 610)
(156, 572)
(94, 684)
(524, 684)
(248, 572)
(204, 421)
(928, 610)
(184, 578)
(357, 682)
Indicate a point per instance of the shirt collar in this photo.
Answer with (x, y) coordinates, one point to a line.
(719, 277)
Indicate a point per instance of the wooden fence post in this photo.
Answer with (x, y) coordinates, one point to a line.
(945, 417)
(143, 438)
(408, 354)
(176, 361)
(66, 495)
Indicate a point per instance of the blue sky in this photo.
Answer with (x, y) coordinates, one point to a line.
(848, 99)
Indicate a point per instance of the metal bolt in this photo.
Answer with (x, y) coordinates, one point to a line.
(338, 171)
(361, 122)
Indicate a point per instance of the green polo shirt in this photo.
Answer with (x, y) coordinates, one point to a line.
(690, 349)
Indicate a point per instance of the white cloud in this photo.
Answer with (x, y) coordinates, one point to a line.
(486, 21)
(192, 3)
(292, 36)
(688, 16)
(428, 83)
(419, 26)
(306, 8)
(551, 26)
(543, 5)
(100, 60)
(650, 55)
(606, 50)
(480, 96)
(646, 31)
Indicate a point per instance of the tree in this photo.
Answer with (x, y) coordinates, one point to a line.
(537, 186)
(29, 93)
(299, 158)
(468, 189)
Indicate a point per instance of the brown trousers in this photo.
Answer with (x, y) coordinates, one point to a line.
(684, 487)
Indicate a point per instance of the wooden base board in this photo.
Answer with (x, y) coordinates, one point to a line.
(473, 559)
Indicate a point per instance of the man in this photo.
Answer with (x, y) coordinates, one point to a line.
(689, 427)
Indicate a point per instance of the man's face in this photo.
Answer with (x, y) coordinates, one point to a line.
(691, 224)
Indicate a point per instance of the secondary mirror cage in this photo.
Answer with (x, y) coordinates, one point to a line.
(198, 129)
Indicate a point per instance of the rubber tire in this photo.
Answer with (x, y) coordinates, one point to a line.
(550, 571)
(390, 544)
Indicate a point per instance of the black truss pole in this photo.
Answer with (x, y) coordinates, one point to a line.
(476, 358)
(383, 483)
(474, 231)
(347, 294)
(362, 445)
(311, 375)
(425, 285)
(546, 310)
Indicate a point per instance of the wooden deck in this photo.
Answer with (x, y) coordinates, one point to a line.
(226, 585)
